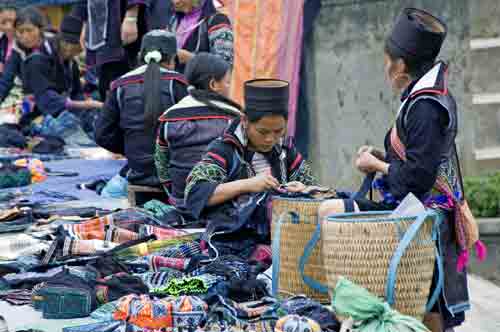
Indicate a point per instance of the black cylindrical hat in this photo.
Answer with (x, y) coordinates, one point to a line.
(417, 34)
(71, 28)
(266, 95)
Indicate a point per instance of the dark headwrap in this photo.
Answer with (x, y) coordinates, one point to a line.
(71, 28)
(161, 41)
(267, 97)
(417, 34)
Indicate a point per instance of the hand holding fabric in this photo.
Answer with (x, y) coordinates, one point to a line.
(295, 187)
(368, 163)
(372, 150)
(261, 183)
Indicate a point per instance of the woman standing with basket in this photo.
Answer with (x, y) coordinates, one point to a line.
(420, 153)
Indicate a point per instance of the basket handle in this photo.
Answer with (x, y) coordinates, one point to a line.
(366, 187)
(314, 284)
(403, 245)
(275, 248)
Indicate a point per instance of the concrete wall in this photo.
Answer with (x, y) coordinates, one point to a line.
(352, 105)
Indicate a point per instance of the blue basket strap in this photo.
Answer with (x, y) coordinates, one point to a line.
(349, 205)
(403, 245)
(439, 262)
(439, 286)
(275, 247)
(316, 285)
(366, 186)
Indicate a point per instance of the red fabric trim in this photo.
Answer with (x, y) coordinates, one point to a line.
(140, 79)
(218, 158)
(435, 91)
(296, 162)
(201, 117)
(231, 139)
(218, 26)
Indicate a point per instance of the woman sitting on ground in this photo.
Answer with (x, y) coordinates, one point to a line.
(54, 77)
(129, 122)
(228, 187)
(188, 127)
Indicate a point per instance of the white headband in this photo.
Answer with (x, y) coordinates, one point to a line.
(152, 55)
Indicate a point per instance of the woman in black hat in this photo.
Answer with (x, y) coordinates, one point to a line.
(420, 154)
(54, 78)
(228, 188)
(129, 122)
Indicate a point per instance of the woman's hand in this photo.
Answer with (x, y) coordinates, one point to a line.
(184, 56)
(368, 163)
(93, 104)
(82, 36)
(295, 187)
(261, 183)
(130, 32)
(372, 150)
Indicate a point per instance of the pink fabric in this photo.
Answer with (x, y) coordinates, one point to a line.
(262, 254)
(481, 251)
(463, 260)
(267, 43)
(187, 26)
(10, 44)
(289, 64)
(157, 262)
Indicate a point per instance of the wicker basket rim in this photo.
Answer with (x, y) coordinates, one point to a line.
(296, 199)
(376, 216)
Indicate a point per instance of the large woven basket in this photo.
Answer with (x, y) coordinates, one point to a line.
(365, 247)
(293, 224)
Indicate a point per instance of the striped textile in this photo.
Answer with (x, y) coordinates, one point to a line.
(14, 246)
(161, 233)
(158, 262)
(118, 227)
(74, 247)
(184, 250)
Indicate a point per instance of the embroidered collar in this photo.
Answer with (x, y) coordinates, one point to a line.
(435, 81)
(236, 135)
(189, 101)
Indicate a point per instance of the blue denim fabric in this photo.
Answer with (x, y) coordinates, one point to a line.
(66, 126)
(21, 264)
(104, 312)
(15, 279)
(115, 188)
(17, 225)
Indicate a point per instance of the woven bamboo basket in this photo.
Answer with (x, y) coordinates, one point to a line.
(360, 247)
(298, 218)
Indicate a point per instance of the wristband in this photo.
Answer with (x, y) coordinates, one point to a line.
(130, 19)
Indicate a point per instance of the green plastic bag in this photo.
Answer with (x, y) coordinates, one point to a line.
(370, 313)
